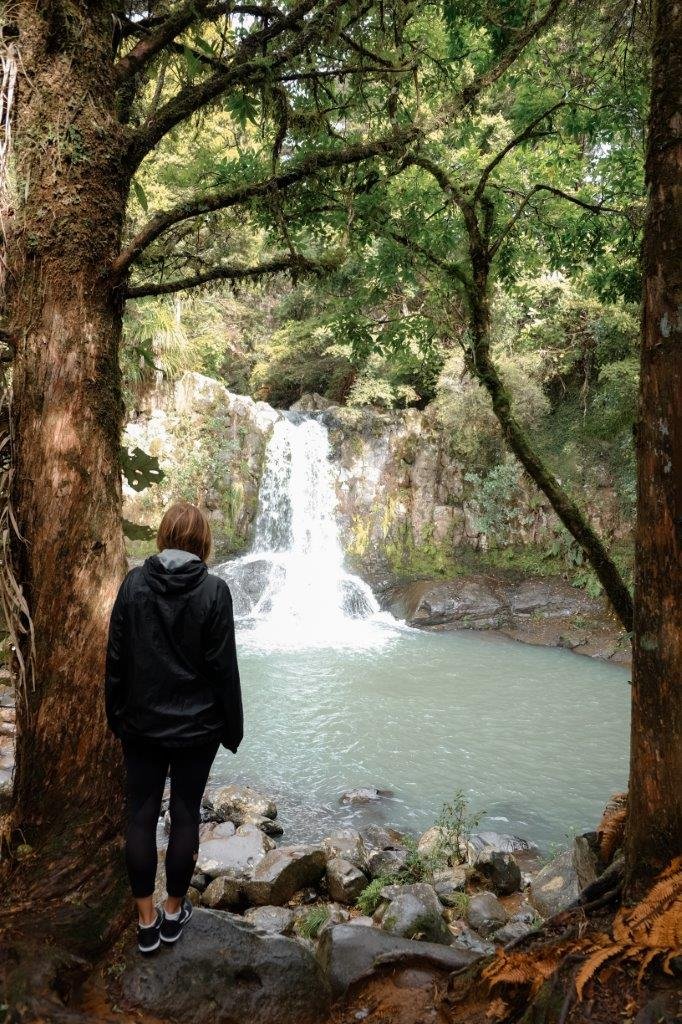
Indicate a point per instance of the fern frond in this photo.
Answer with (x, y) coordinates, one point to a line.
(598, 958)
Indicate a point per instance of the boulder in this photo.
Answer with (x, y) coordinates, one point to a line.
(386, 862)
(344, 880)
(500, 842)
(430, 841)
(267, 825)
(284, 871)
(449, 883)
(466, 940)
(363, 795)
(194, 896)
(468, 602)
(336, 915)
(347, 844)
(200, 880)
(485, 913)
(511, 931)
(223, 893)
(277, 920)
(235, 855)
(238, 803)
(413, 911)
(560, 882)
(382, 837)
(386, 851)
(224, 969)
(499, 870)
(348, 953)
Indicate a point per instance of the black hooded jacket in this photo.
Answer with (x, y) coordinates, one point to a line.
(171, 668)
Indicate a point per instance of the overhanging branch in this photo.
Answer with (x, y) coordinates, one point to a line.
(585, 204)
(291, 263)
(165, 33)
(249, 66)
(222, 199)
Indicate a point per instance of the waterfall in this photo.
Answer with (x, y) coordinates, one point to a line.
(292, 589)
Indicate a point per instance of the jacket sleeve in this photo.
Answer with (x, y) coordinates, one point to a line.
(220, 657)
(114, 668)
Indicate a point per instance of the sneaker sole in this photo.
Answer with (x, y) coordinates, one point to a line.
(149, 949)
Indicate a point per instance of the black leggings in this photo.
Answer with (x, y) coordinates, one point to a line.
(147, 767)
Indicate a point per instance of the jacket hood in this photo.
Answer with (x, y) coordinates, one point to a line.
(173, 576)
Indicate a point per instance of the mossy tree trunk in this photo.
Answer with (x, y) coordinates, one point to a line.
(64, 323)
(482, 366)
(654, 829)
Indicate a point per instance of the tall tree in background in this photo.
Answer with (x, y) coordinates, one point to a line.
(654, 829)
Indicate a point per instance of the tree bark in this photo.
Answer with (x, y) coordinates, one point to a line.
(64, 322)
(654, 825)
(482, 366)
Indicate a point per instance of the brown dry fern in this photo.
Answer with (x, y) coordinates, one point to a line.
(649, 931)
(611, 828)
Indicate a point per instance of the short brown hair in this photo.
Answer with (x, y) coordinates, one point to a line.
(185, 526)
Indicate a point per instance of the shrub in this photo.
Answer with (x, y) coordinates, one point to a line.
(455, 824)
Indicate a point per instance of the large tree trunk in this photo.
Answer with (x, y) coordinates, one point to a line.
(64, 322)
(654, 830)
(481, 364)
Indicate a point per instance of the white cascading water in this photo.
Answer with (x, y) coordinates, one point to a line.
(292, 590)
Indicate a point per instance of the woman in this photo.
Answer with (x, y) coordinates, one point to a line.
(172, 697)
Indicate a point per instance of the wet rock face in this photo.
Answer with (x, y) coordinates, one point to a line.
(283, 872)
(224, 969)
(236, 855)
(398, 485)
(485, 602)
(485, 914)
(499, 870)
(413, 911)
(560, 882)
(344, 880)
(348, 952)
(241, 803)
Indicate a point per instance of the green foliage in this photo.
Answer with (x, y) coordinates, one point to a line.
(309, 926)
(370, 897)
(455, 824)
(459, 902)
(463, 409)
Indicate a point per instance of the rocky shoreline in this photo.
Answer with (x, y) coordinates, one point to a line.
(281, 932)
(543, 611)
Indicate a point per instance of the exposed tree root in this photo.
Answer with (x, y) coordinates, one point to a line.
(600, 967)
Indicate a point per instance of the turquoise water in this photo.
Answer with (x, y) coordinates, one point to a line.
(537, 738)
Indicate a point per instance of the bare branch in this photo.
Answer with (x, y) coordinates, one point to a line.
(222, 199)
(292, 263)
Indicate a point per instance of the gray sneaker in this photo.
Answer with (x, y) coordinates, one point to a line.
(171, 930)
